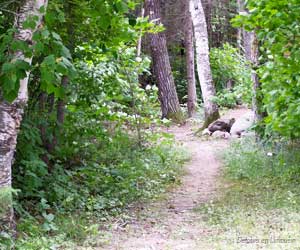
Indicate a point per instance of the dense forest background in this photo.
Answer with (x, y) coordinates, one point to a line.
(86, 85)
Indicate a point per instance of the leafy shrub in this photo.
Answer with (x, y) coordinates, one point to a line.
(226, 98)
(278, 37)
(229, 65)
(106, 156)
(118, 174)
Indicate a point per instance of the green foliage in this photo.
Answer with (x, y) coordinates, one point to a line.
(120, 173)
(53, 61)
(276, 25)
(228, 65)
(5, 200)
(104, 156)
(226, 98)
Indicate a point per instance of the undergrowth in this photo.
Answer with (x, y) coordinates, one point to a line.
(73, 205)
(260, 206)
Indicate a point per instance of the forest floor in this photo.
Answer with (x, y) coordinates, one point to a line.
(173, 222)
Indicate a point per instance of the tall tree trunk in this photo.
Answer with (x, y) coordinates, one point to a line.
(247, 43)
(211, 110)
(251, 50)
(240, 7)
(244, 37)
(190, 65)
(11, 113)
(256, 102)
(208, 12)
(60, 118)
(161, 66)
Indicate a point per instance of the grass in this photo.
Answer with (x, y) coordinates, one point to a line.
(139, 176)
(260, 206)
(73, 231)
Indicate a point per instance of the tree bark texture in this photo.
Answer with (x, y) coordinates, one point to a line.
(211, 111)
(190, 65)
(208, 6)
(244, 37)
(11, 113)
(256, 102)
(240, 8)
(161, 65)
(251, 51)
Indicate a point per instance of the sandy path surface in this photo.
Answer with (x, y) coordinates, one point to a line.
(171, 223)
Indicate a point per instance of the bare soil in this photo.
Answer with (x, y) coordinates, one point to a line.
(172, 223)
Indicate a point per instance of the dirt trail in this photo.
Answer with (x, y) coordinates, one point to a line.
(172, 224)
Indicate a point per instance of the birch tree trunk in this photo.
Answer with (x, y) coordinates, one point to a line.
(208, 90)
(11, 113)
(161, 66)
(190, 65)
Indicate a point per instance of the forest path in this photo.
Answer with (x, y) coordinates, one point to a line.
(171, 223)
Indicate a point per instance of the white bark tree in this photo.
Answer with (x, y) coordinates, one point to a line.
(208, 90)
(190, 65)
(11, 113)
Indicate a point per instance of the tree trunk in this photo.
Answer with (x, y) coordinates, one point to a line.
(251, 50)
(247, 43)
(161, 66)
(240, 7)
(208, 12)
(11, 113)
(244, 37)
(190, 65)
(211, 111)
(256, 102)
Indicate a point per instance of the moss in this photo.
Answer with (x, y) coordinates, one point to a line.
(177, 117)
(208, 120)
(5, 200)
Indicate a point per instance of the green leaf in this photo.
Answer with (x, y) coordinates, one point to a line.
(7, 67)
(122, 6)
(56, 36)
(49, 60)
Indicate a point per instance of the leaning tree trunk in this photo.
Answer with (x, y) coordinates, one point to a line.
(11, 113)
(190, 65)
(161, 66)
(208, 90)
